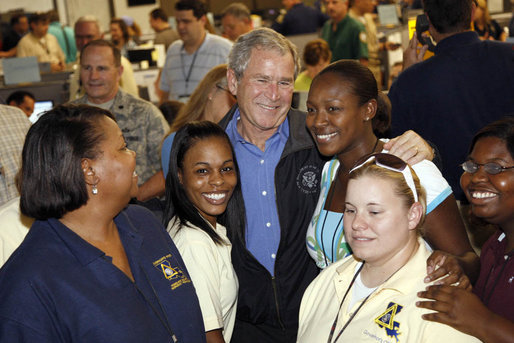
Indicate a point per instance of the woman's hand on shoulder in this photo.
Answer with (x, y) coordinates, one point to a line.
(454, 306)
(445, 268)
(464, 311)
(410, 147)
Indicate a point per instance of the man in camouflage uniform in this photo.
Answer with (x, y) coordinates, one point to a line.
(142, 124)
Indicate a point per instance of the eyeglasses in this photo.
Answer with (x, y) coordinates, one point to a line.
(393, 163)
(490, 168)
(224, 88)
(220, 87)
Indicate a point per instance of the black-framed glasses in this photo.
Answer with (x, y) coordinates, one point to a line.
(491, 168)
(393, 163)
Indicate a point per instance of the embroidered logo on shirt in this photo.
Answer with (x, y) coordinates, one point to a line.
(171, 272)
(168, 271)
(386, 320)
(307, 179)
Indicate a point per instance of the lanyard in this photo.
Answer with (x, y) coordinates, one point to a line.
(188, 76)
(333, 328)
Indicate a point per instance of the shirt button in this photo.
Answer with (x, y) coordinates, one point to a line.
(268, 224)
(262, 161)
(264, 193)
(273, 256)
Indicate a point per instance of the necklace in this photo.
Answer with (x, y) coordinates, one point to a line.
(333, 249)
(188, 76)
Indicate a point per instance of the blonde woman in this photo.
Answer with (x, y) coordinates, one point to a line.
(485, 26)
(371, 295)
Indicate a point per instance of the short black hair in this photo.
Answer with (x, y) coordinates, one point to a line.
(159, 13)
(19, 96)
(116, 53)
(37, 17)
(198, 7)
(177, 202)
(52, 180)
(502, 129)
(449, 16)
(15, 19)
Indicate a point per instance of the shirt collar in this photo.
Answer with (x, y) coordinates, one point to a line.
(397, 282)
(282, 131)
(456, 41)
(183, 50)
(86, 252)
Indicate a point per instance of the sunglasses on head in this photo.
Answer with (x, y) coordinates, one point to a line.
(491, 168)
(390, 162)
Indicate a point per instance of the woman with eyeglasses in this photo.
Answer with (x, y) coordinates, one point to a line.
(370, 296)
(341, 105)
(488, 182)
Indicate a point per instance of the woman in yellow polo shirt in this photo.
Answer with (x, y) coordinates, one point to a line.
(370, 296)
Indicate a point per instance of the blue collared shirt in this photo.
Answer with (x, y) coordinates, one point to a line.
(257, 169)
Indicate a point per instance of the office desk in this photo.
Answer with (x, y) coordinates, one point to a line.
(53, 86)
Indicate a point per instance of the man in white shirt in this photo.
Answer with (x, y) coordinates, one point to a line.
(41, 44)
(191, 57)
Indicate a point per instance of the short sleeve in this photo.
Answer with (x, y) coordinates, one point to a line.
(362, 50)
(436, 186)
(165, 153)
(199, 255)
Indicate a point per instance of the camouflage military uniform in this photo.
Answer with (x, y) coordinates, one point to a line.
(143, 127)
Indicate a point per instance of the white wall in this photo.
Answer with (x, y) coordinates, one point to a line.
(71, 10)
(27, 5)
(98, 8)
(139, 13)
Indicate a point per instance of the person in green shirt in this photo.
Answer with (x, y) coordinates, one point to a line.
(345, 35)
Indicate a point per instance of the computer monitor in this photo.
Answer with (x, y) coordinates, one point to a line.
(388, 15)
(39, 108)
(138, 55)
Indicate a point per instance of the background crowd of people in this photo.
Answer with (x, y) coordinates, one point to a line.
(227, 215)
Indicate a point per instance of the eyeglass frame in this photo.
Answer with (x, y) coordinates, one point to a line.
(407, 175)
(478, 165)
